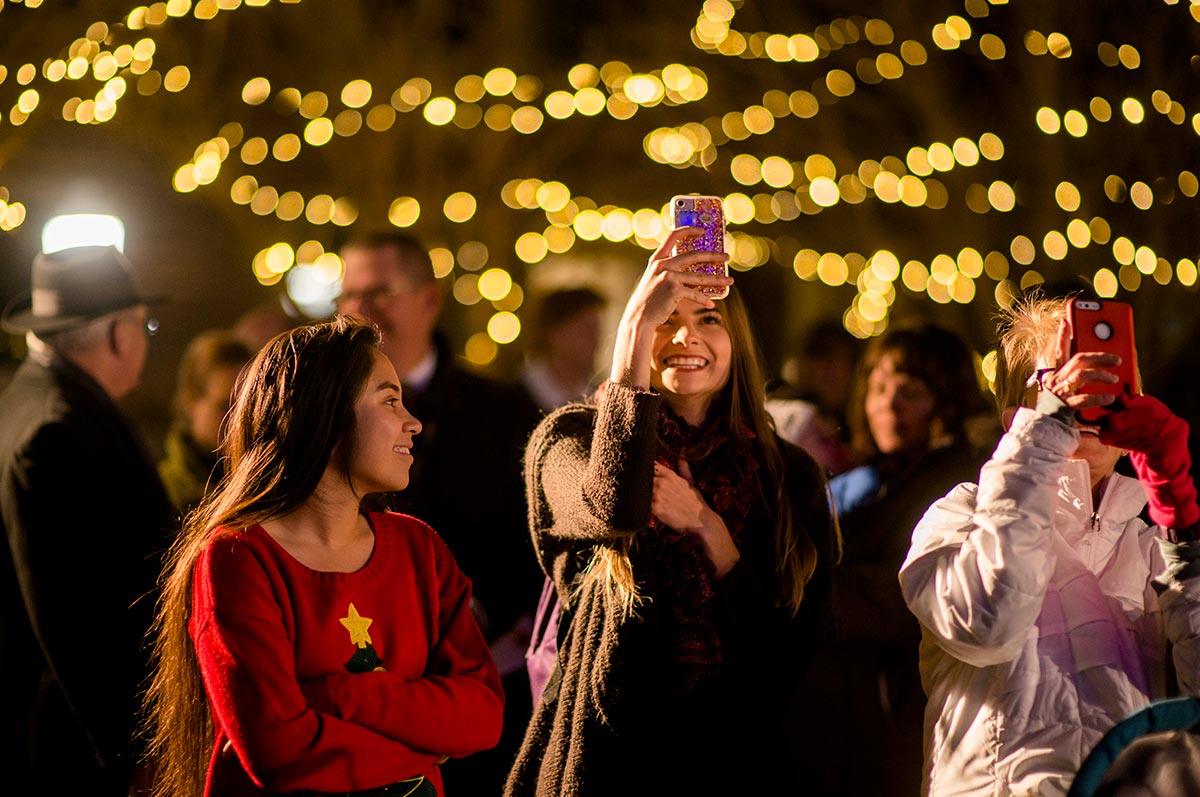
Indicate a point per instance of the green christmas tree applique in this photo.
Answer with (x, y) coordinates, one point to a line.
(365, 659)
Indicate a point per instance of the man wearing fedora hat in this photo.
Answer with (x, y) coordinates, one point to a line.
(84, 516)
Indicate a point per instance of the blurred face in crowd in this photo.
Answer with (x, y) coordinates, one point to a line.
(573, 343)
(899, 408)
(206, 411)
(378, 287)
(131, 337)
(691, 359)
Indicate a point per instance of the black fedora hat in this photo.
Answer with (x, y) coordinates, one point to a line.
(74, 286)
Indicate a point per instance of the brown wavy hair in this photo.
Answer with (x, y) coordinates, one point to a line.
(293, 416)
(743, 401)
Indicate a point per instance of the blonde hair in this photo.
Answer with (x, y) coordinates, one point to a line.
(1028, 330)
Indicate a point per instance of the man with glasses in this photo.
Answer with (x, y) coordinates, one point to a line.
(84, 516)
(466, 478)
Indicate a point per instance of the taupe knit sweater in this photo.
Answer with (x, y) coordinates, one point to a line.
(589, 476)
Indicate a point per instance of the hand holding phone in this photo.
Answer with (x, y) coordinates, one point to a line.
(1105, 326)
(706, 213)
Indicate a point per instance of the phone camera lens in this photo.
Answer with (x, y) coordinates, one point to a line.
(1103, 331)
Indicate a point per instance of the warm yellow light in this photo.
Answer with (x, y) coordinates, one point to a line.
(1048, 121)
(459, 206)
(1141, 195)
(777, 172)
(280, 257)
(500, 81)
(1001, 196)
(1067, 196)
(1075, 123)
(644, 89)
(494, 284)
(1022, 250)
(286, 147)
(256, 91)
(739, 208)
(319, 209)
(1078, 233)
(1132, 110)
(1124, 251)
(1054, 244)
(915, 276)
(318, 132)
(439, 110)
(832, 269)
(466, 290)
(617, 225)
(589, 101)
(1186, 272)
(480, 349)
(1145, 259)
(527, 119)
(560, 104)
(966, 152)
(442, 260)
(991, 147)
(531, 246)
(1100, 109)
(177, 78)
(504, 327)
(404, 211)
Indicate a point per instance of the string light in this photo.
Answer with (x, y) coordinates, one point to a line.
(124, 59)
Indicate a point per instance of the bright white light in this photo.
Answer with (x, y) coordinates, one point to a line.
(309, 287)
(82, 229)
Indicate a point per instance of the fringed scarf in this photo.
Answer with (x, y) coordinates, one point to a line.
(725, 472)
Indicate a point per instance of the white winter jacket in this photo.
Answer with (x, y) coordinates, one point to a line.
(1042, 618)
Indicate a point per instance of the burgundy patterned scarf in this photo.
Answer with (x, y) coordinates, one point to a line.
(725, 472)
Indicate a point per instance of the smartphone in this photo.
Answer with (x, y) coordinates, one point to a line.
(708, 214)
(1107, 326)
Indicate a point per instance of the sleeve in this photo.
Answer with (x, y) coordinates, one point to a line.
(981, 558)
(247, 663)
(1178, 589)
(456, 708)
(598, 480)
(86, 576)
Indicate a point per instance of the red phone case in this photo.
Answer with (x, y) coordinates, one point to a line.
(1106, 326)
(707, 213)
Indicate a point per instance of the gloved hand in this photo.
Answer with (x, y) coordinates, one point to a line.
(1157, 441)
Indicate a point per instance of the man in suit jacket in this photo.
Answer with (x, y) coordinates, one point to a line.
(466, 478)
(84, 517)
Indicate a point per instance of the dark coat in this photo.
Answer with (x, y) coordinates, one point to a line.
(465, 482)
(618, 723)
(84, 516)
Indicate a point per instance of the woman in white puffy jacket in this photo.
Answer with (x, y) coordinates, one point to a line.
(1045, 600)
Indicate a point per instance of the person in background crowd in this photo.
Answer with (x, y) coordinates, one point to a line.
(302, 644)
(466, 480)
(810, 409)
(691, 549)
(204, 387)
(565, 335)
(1046, 601)
(913, 393)
(84, 517)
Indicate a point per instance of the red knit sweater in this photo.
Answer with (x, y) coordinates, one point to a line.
(336, 682)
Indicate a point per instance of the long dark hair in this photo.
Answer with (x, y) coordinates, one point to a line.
(293, 416)
(743, 402)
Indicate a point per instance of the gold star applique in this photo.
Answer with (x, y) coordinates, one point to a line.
(357, 625)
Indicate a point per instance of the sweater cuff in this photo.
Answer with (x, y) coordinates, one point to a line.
(1052, 405)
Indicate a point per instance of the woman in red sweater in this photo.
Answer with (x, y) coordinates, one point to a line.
(304, 645)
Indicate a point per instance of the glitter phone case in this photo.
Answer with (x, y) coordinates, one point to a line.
(1105, 326)
(708, 214)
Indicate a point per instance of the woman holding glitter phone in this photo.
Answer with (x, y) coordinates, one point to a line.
(303, 644)
(691, 548)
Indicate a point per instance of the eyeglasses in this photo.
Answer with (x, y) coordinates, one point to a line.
(1037, 378)
(371, 296)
